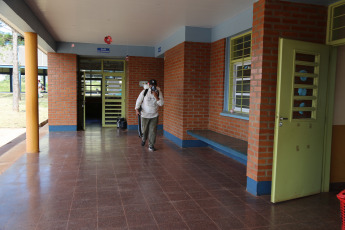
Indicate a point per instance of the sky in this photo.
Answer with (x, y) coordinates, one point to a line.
(5, 29)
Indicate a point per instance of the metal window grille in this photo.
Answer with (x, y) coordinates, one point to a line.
(240, 71)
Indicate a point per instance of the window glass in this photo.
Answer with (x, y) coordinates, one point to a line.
(240, 71)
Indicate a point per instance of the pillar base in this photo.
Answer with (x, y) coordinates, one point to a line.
(258, 188)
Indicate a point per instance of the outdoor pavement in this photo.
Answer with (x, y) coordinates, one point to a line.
(8, 134)
(15, 145)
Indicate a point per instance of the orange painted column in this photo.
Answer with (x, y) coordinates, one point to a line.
(31, 92)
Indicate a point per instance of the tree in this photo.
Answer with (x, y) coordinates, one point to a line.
(16, 85)
(5, 39)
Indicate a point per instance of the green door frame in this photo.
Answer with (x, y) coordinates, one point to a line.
(329, 120)
(82, 89)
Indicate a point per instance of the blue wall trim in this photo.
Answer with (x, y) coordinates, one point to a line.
(239, 116)
(132, 127)
(184, 143)
(240, 157)
(174, 139)
(197, 34)
(258, 188)
(60, 128)
(237, 24)
(172, 41)
(135, 127)
(114, 50)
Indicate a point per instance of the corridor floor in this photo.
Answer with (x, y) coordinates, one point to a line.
(104, 179)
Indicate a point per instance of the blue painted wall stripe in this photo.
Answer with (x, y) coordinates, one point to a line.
(60, 128)
(240, 157)
(237, 24)
(197, 34)
(114, 50)
(174, 139)
(258, 188)
(184, 143)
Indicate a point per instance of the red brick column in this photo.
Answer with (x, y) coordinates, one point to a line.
(196, 87)
(174, 87)
(141, 69)
(186, 77)
(273, 19)
(62, 97)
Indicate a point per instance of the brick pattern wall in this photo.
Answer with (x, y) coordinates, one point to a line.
(196, 87)
(174, 88)
(273, 19)
(234, 127)
(62, 97)
(186, 77)
(142, 69)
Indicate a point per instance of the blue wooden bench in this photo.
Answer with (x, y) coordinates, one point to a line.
(229, 146)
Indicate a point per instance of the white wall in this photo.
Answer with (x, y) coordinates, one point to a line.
(6, 56)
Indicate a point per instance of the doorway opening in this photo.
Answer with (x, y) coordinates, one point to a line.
(101, 92)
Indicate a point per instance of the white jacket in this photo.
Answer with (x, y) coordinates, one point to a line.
(149, 105)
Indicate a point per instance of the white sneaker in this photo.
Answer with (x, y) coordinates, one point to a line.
(151, 149)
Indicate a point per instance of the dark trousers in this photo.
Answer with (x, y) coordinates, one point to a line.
(149, 129)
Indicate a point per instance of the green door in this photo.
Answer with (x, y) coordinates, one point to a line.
(113, 98)
(81, 101)
(300, 120)
(83, 98)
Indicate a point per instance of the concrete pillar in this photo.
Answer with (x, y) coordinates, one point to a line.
(31, 92)
(11, 80)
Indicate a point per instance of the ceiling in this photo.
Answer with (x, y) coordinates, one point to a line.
(130, 22)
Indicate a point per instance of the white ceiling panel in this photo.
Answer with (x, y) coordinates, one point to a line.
(130, 22)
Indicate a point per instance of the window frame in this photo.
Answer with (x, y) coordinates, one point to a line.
(330, 24)
(231, 62)
(91, 79)
(234, 87)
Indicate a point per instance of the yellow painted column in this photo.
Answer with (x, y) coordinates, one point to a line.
(31, 92)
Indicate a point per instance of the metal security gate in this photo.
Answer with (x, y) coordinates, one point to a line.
(101, 91)
(113, 100)
(113, 92)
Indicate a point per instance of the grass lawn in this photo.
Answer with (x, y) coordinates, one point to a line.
(5, 86)
(12, 119)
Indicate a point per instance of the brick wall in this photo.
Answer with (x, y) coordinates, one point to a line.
(174, 88)
(62, 97)
(142, 69)
(234, 127)
(186, 77)
(273, 19)
(196, 87)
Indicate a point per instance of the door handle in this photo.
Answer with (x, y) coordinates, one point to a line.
(281, 121)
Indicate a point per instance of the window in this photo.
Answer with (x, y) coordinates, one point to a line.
(336, 24)
(240, 70)
(93, 85)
